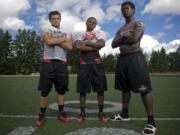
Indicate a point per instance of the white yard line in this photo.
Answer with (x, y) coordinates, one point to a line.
(72, 118)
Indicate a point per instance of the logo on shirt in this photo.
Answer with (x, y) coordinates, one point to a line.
(89, 36)
(127, 28)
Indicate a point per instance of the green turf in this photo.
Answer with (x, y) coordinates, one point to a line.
(19, 96)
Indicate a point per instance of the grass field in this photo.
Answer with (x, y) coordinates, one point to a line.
(19, 97)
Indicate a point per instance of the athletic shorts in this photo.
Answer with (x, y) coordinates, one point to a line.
(53, 72)
(132, 73)
(91, 75)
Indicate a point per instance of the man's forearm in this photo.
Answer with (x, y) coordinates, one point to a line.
(93, 45)
(117, 41)
(97, 45)
(67, 44)
(131, 38)
(53, 40)
(84, 48)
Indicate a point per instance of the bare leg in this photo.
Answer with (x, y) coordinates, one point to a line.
(126, 96)
(82, 100)
(148, 103)
(43, 102)
(100, 100)
(60, 99)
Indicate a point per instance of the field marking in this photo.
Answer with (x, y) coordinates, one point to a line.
(88, 118)
(115, 106)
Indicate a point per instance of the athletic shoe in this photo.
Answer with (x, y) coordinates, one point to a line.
(81, 118)
(119, 117)
(62, 117)
(41, 120)
(149, 130)
(102, 117)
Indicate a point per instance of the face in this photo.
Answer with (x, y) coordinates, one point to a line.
(127, 11)
(91, 24)
(55, 20)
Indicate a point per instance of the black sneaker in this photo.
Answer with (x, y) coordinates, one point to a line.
(62, 116)
(119, 117)
(41, 119)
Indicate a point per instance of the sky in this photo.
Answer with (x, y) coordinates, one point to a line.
(161, 18)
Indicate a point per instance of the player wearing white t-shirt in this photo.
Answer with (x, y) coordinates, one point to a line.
(91, 70)
(54, 66)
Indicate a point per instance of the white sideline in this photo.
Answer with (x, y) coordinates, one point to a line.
(72, 118)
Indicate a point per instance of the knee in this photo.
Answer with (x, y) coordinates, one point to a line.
(145, 93)
(83, 94)
(44, 93)
(101, 93)
(61, 92)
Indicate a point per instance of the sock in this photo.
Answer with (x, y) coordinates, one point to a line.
(151, 120)
(124, 112)
(101, 108)
(61, 107)
(83, 110)
(42, 110)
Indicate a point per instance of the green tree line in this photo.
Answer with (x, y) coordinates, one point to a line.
(23, 55)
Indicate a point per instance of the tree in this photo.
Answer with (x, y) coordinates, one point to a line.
(73, 60)
(5, 43)
(162, 60)
(28, 48)
(174, 60)
(109, 62)
(153, 63)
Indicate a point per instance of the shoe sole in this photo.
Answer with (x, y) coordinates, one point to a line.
(120, 119)
(40, 124)
(147, 134)
(78, 121)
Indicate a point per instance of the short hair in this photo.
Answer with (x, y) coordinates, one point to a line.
(128, 3)
(92, 18)
(54, 13)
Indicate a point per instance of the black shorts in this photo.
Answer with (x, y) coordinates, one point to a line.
(91, 75)
(132, 73)
(53, 71)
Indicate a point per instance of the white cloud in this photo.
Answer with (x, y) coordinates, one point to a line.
(178, 35)
(113, 13)
(168, 27)
(81, 8)
(107, 49)
(168, 19)
(96, 11)
(14, 24)
(114, 2)
(40, 10)
(148, 44)
(43, 21)
(172, 46)
(10, 11)
(161, 7)
(159, 35)
(140, 2)
(66, 22)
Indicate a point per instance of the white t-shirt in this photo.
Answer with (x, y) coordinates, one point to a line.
(53, 51)
(89, 57)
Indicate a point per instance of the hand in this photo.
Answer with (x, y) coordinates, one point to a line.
(78, 44)
(127, 34)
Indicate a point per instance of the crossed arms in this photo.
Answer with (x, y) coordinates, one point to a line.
(128, 38)
(89, 46)
(64, 42)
